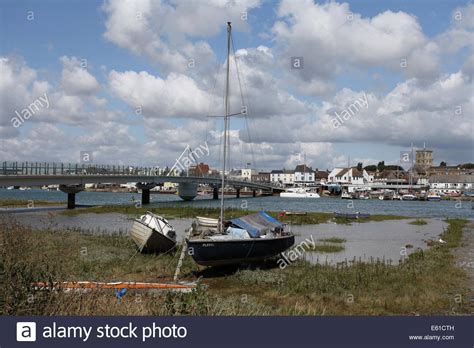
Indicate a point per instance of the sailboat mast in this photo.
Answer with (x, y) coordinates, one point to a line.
(226, 124)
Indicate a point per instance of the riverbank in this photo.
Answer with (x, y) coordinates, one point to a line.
(26, 203)
(426, 283)
(412, 209)
(174, 212)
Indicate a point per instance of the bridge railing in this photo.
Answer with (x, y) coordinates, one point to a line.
(45, 168)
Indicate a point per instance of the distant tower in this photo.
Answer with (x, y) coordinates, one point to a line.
(424, 157)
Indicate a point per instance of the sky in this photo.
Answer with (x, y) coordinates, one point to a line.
(133, 82)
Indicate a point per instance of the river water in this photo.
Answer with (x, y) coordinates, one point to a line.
(443, 209)
(389, 240)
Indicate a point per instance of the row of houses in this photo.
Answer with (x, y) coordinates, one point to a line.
(437, 178)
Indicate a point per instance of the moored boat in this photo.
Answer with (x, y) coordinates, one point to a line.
(153, 234)
(248, 239)
(346, 195)
(408, 197)
(299, 192)
(251, 238)
(433, 197)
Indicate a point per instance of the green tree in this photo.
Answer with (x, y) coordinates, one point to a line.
(381, 166)
(371, 168)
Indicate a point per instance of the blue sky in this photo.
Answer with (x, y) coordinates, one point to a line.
(335, 78)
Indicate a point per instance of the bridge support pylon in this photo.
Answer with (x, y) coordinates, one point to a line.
(71, 191)
(254, 193)
(237, 192)
(145, 187)
(215, 192)
(187, 190)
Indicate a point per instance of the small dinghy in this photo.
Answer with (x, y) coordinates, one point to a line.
(153, 234)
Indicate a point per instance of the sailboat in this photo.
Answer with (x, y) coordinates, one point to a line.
(251, 238)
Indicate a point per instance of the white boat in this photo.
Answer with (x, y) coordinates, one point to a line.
(207, 222)
(346, 195)
(408, 197)
(153, 233)
(299, 192)
(25, 188)
(10, 187)
(433, 197)
(397, 197)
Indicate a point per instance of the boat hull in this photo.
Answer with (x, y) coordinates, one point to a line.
(149, 240)
(208, 252)
(299, 195)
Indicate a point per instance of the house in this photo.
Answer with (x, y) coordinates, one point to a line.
(450, 183)
(449, 170)
(283, 177)
(350, 176)
(391, 177)
(247, 173)
(200, 169)
(321, 177)
(303, 174)
(262, 177)
(235, 174)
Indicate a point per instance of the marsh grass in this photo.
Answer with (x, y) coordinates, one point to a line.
(424, 283)
(324, 248)
(178, 211)
(418, 222)
(333, 240)
(24, 203)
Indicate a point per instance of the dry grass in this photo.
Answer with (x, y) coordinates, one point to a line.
(427, 283)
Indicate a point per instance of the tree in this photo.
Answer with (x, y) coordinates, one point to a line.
(359, 166)
(442, 164)
(371, 168)
(381, 166)
(467, 165)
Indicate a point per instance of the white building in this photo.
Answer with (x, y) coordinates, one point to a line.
(247, 173)
(353, 178)
(450, 183)
(304, 174)
(283, 177)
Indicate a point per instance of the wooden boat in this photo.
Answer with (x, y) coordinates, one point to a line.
(356, 215)
(250, 238)
(153, 233)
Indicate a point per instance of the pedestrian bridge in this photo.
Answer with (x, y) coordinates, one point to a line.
(72, 178)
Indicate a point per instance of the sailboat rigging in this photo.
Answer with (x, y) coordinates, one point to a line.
(255, 237)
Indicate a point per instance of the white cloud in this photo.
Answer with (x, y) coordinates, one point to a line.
(76, 80)
(331, 39)
(164, 31)
(176, 96)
